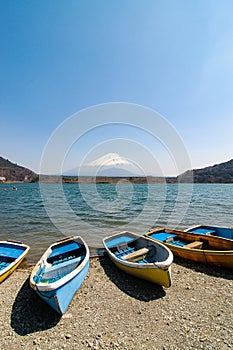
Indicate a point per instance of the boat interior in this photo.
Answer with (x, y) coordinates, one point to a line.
(4, 262)
(184, 240)
(173, 239)
(63, 259)
(213, 231)
(65, 251)
(141, 251)
(8, 254)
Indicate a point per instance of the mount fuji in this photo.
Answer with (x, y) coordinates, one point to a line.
(111, 164)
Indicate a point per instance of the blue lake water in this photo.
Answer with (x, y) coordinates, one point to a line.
(39, 214)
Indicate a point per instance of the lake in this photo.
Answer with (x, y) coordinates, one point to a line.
(39, 214)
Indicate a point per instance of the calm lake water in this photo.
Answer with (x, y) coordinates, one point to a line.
(39, 214)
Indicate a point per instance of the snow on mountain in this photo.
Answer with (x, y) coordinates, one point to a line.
(109, 160)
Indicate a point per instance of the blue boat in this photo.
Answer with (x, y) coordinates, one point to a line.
(60, 272)
(222, 232)
(11, 256)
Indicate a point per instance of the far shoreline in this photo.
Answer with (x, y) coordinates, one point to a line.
(147, 180)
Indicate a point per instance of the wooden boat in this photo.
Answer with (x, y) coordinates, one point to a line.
(224, 232)
(140, 257)
(60, 272)
(197, 247)
(11, 255)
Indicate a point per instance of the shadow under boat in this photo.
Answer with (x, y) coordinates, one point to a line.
(30, 314)
(132, 286)
(210, 270)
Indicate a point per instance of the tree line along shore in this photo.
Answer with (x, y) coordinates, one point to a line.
(219, 173)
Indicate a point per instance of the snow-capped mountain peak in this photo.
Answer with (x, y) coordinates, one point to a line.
(111, 164)
(109, 160)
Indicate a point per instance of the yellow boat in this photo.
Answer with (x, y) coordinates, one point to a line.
(11, 256)
(196, 247)
(140, 257)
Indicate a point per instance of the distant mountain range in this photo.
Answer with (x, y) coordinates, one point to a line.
(219, 173)
(111, 170)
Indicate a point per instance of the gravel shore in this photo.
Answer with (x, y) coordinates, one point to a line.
(113, 310)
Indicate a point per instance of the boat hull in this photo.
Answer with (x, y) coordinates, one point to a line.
(13, 251)
(156, 272)
(60, 298)
(154, 275)
(220, 254)
(218, 258)
(60, 272)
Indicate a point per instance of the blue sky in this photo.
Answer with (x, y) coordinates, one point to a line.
(59, 57)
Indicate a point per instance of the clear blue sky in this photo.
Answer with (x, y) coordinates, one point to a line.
(58, 57)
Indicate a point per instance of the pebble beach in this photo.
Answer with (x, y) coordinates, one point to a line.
(113, 310)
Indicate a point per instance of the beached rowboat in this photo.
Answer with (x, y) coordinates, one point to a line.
(197, 247)
(60, 272)
(224, 232)
(11, 255)
(140, 257)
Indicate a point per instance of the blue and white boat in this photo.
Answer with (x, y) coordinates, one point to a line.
(60, 272)
(222, 232)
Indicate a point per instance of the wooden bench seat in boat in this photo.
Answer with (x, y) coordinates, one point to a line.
(169, 239)
(137, 255)
(194, 245)
(60, 270)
